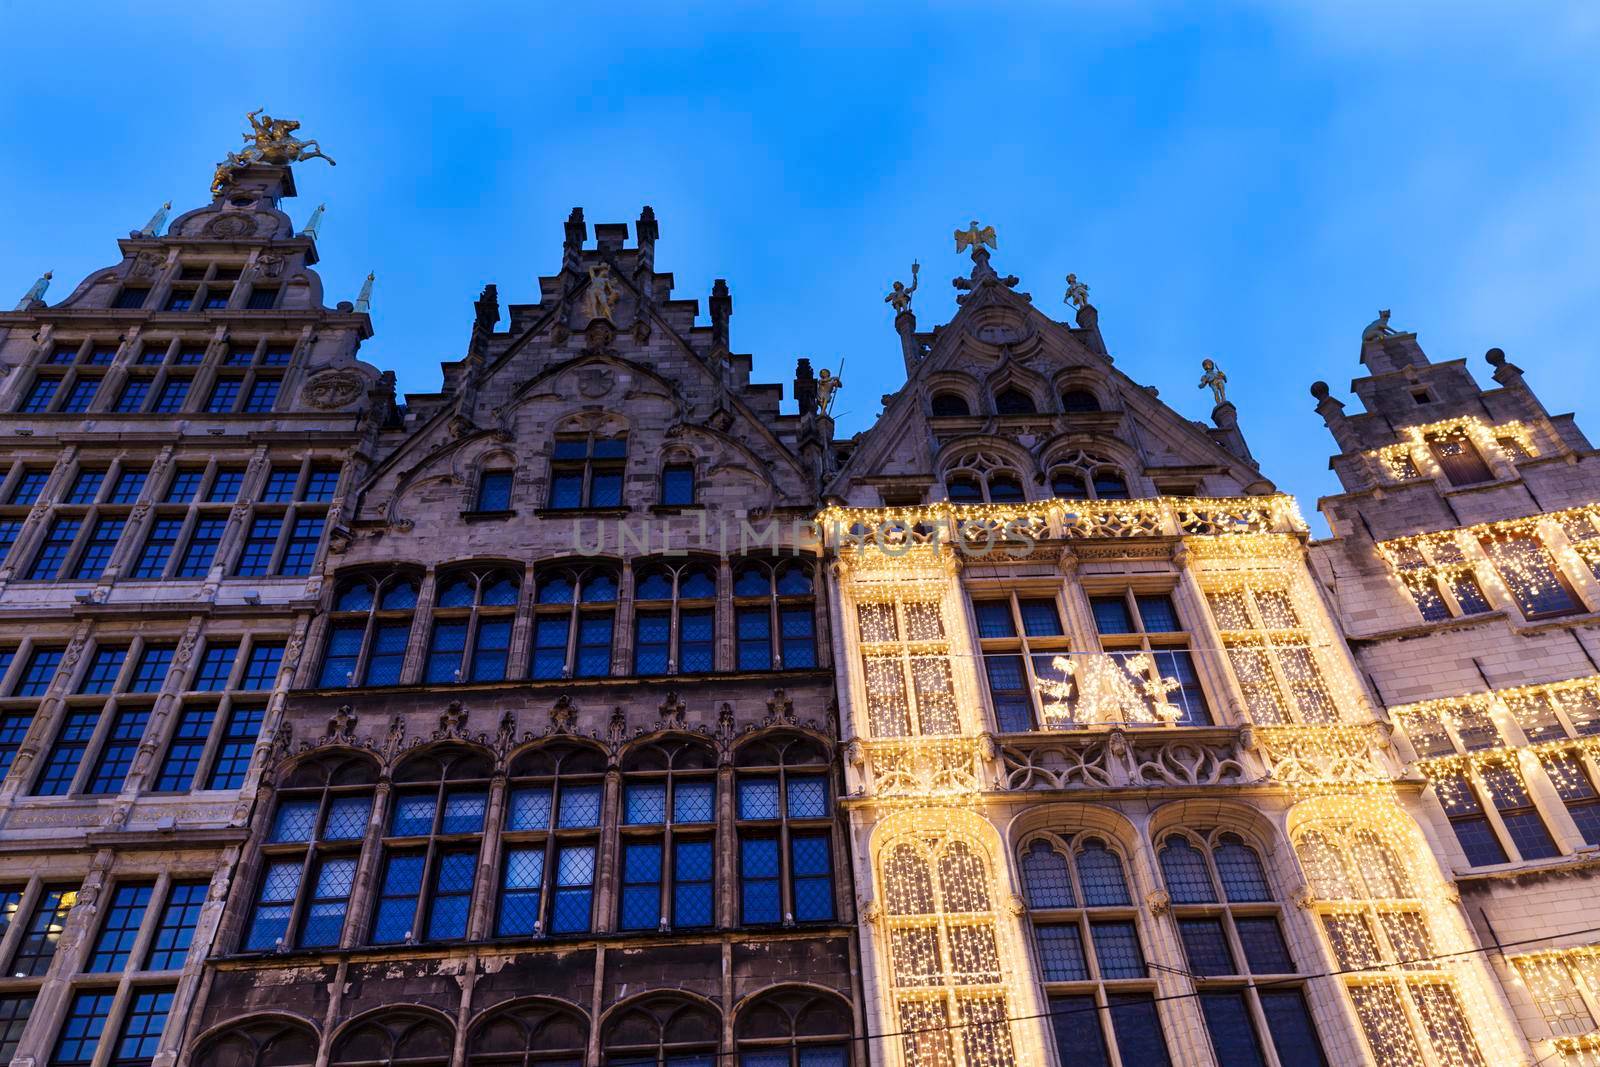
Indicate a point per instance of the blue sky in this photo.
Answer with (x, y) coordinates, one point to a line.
(1246, 181)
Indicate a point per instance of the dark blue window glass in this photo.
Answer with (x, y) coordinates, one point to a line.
(158, 546)
(175, 932)
(574, 889)
(82, 1029)
(1138, 1029)
(53, 551)
(120, 928)
(238, 741)
(104, 666)
(1076, 1022)
(397, 899)
(41, 670)
(520, 890)
(154, 662)
(269, 924)
(1233, 1037)
(203, 542)
(812, 867)
(215, 667)
(141, 1028)
(116, 758)
(61, 766)
(641, 886)
(452, 896)
(494, 491)
(759, 898)
(692, 894)
(188, 744)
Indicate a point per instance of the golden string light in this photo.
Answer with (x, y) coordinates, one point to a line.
(1410, 456)
(951, 953)
(1519, 556)
(1564, 984)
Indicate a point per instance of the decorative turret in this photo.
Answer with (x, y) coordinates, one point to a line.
(577, 234)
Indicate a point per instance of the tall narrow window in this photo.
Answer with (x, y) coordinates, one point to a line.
(494, 491)
(550, 840)
(677, 484)
(120, 928)
(1232, 939)
(140, 1037)
(435, 830)
(674, 618)
(783, 795)
(1530, 572)
(175, 929)
(586, 471)
(1142, 633)
(669, 814)
(1020, 636)
(774, 615)
(1086, 931)
(83, 1027)
(1378, 928)
(472, 618)
(368, 630)
(39, 940)
(574, 613)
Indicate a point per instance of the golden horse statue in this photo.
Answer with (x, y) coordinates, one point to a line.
(270, 141)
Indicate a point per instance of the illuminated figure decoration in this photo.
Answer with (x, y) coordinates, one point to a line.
(1108, 689)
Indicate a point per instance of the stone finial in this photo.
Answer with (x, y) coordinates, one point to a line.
(1319, 390)
(721, 312)
(1505, 372)
(363, 303)
(36, 293)
(313, 228)
(805, 385)
(486, 309)
(158, 220)
(577, 229)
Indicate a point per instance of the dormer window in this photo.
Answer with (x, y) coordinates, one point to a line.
(494, 491)
(950, 404)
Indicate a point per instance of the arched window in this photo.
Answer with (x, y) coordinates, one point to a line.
(662, 1031)
(1384, 946)
(774, 615)
(494, 490)
(951, 1001)
(430, 849)
(550, 840)
(530, 1033)
(677, 484)
(368, 629)
(472, 616)
(1086, 930)
(1086, 476)
(950, 404)
(1078, 401)
(268, 1041)
(396, 1037)
(981, 475)
(675, 611)
(1005, 488)
(784, 798)
(1237, 943)
(793, 1028)
(308, 862)
(669, 816)
(1014, 401)
(574, 614)
(586, 471)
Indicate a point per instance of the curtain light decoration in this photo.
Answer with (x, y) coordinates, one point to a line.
(1519, 556)
(1564, 984)
(955, 966)
(1411, 455)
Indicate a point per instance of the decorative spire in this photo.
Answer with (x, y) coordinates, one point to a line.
(157, 221)
(364, 298)
(976, 238)
(35, 295)
(313, 228)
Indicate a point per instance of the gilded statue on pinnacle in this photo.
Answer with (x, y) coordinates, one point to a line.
(270, 141)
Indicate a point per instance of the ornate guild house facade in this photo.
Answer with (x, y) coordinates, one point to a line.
(601, 708)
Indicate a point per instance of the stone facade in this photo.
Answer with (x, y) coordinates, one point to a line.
(596, 709)
(181, 430)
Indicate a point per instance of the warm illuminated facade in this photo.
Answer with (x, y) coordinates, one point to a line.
(598, 708)
(1118, 791)
(1465, 565)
